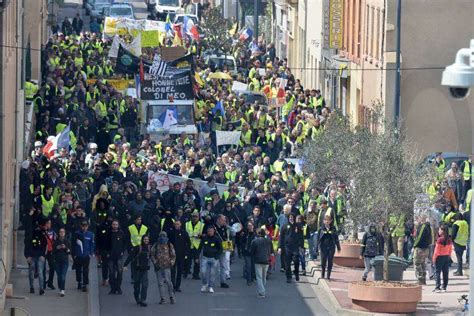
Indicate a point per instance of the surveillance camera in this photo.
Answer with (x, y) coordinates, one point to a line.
(459, 93)
(460, 75)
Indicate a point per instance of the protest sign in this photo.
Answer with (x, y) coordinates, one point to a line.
(163, 180)
(239, 86)
(227, 138)
(178, 86)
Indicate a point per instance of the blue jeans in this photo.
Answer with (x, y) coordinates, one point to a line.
(261, 273)
(36, 267)
(312, 242)
(208, 271)
(249, 269)
(61, 271)
(303, 259)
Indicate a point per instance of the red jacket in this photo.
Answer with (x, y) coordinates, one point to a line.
(442, 250)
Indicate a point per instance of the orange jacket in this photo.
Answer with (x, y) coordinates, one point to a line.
(442, 250)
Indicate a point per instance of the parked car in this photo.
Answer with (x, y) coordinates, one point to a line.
(121, 10)
(449, 157)
(180, 18)
(219, 62)
(250, 97)
(95, 8)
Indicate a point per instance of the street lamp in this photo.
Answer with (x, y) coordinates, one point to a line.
(460, 79)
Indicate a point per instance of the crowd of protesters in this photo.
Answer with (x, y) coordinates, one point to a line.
(93, 196)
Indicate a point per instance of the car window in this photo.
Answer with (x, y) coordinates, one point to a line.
(171, 3)
(120, 11)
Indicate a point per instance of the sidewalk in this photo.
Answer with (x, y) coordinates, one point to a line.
(75, 303)
(431, 304)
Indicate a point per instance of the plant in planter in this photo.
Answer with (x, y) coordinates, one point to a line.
(385, 176)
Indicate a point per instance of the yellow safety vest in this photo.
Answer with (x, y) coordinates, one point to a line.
(136, 235)
(467, 170)
(246, 138)
(47, 205)
(194, 233)
(463, 232)
(278, 165)
(162, 222)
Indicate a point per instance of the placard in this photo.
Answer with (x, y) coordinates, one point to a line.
(178, 86)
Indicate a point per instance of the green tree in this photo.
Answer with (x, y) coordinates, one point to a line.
(216, 31)
(382, 168)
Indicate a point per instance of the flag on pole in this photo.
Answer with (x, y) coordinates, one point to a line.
(168, 118)
(233, 29)
(168, 26)
(219, 106)
(190, 29)
(245, 34)
(51, 146)
(142, 71)
(64, 139)
(158, 68)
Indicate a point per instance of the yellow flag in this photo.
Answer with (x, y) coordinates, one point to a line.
(199, 80)
(177, 41)
(233, 29)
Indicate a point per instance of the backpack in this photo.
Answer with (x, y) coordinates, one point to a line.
(371, 246)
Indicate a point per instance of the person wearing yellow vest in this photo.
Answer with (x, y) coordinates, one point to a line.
(468, 201)
(466, 169)
(245, 136)
(46, 200)
(421, 245)
(280, 164)
(30, 90)
(194, 228)
(460, 235)
(136, 231)
(397, 233)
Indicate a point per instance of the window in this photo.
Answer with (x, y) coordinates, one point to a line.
(372, 32)
(366, 44)
(377, 38)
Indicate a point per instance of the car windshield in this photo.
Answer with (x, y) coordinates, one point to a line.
(221, 63)
(120, 11)
(171, 3)
(251, 98)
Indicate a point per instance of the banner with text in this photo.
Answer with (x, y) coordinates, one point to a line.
(227, 138)
(163, 181)
(178, 86)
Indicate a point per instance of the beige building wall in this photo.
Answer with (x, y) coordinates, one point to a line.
(10, 65)
(311, 77)
(432, 33)
(35, 29)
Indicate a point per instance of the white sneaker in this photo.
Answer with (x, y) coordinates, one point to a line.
(61, 293)
(211, 290)
(204, 289)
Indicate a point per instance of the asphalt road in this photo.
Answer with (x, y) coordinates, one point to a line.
(297, 298)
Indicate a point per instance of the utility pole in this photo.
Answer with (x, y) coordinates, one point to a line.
(397, 78)
(255, 18)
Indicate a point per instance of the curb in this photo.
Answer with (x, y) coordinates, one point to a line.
(334, 302)
(93, 307)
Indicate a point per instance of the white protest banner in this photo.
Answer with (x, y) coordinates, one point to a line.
(227, 138)
(239, 86)
(297, 163)
(262, 71)
(163, 180)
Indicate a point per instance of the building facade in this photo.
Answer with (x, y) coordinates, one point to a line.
(347, 48)
(21, 22)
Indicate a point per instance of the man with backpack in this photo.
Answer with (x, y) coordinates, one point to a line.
(372, 245)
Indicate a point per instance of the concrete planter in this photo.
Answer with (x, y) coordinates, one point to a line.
(349, 256)
(383, 297)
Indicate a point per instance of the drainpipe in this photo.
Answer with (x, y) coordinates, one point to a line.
(397, 79)
(2, 117)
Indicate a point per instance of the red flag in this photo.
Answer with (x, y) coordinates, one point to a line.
(142, 73)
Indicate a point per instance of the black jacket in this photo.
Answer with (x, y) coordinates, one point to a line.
(291, 238)
(328, 239)
(61, 254)
(423, 236)
(181, 242)
(102, 235)
(211, 247)
(260, 250)
(37, 244)
(372, 245)
(246, 242)
(140, 258)
(117, 244)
